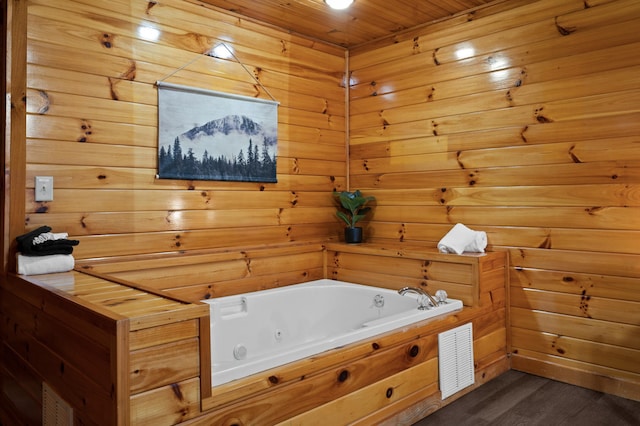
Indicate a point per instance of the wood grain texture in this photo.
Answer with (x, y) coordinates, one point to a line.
(532, 137)
(101, 345)
(92, 114)
(159, 361)
(68, 344)
(360, 23)
(204, 274)
(519, 125)
(14, 151)
(364, 368)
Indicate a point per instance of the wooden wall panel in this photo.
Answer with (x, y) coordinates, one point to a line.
(203, 274)
(92, 117)
(14, 51)
(523, 124)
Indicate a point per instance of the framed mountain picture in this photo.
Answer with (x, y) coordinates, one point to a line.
(207, 135)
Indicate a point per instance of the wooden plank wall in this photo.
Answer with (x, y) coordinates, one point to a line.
(92, 117)
(200, 275)
(523, 124)
(5, 71)
(395, 266)
(14, 127)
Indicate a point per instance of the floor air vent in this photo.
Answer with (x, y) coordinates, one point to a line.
(455, 351)
(55, 411)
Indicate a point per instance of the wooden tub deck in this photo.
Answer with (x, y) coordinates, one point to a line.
(125, 352)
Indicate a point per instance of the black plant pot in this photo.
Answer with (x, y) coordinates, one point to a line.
(353, 235)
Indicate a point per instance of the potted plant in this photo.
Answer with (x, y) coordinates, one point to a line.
(352, 209)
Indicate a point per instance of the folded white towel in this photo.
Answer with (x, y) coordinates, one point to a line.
(460, 239)
(35, 265)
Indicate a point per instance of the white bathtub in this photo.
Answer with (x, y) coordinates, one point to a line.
(257, 331)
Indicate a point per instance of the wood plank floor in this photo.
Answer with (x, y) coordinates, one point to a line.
(516, 398)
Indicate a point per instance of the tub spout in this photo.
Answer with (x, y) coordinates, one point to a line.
(421, 300)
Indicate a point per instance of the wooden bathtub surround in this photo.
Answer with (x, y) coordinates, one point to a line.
(398, 265)
(105, 348)
(141, 355)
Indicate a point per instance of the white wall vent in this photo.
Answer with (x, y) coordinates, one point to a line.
(55, 410)
(455, 352)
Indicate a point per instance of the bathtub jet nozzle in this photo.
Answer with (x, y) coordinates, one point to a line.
(378, 301)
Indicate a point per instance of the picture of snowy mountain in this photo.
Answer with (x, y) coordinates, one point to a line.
(205, 135)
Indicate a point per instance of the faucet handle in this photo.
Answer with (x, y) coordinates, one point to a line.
(441, 296)
(423, 302)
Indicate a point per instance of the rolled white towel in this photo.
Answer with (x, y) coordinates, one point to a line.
(460, 239)
(478, 244)
(35, 265)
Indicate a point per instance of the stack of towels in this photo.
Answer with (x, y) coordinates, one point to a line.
(44, 252)
(461, 239)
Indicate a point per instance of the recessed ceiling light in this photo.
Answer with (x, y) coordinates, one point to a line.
(338, 4)
(148, 33)
(221, 51)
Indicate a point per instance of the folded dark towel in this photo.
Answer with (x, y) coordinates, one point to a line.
(27, 247)
(46, 248)
(27, 239)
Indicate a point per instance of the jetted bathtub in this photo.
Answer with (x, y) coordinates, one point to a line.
(256, 331)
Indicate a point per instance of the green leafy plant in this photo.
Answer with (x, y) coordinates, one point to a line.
(352, 206)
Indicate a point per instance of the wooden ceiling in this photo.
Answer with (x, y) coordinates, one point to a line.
(364, 21)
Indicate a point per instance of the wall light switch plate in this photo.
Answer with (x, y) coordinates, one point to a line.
(44, 188)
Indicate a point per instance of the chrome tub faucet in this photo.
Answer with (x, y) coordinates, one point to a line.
(424, 300)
